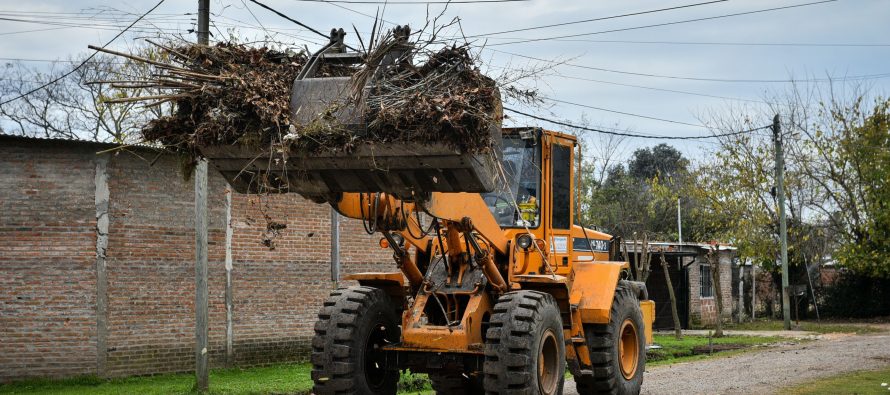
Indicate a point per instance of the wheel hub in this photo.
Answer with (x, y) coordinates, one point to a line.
(628, 349)
(374, 363)
(548, 364)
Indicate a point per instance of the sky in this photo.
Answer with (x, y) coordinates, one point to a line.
(656, 80)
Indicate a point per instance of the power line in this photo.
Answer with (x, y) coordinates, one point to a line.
(413, 2)
(83, 25)
(48, 60)
(634, 135)
(279, 13)
(674, 77)
(660, 89)
(254, 16)
(624, 113)
(97, 11)
(741, 44)
(33, 30)
(52, 23)
(85, 60)
(529, 40)
(242, 24)
(378, 17)
(596, 19)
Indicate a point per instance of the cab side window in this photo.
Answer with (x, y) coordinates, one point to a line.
(561, 163)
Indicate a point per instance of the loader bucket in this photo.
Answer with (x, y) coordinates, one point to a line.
(401, 169)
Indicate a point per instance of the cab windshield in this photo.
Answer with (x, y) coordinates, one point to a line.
(516, 202)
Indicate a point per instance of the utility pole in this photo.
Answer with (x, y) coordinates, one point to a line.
(679, 223)
(201, 333)
(753, 291)
(783, 230)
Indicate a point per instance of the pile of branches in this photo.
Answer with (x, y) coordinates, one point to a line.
(236, 94)
(223, 93)
(446, 99)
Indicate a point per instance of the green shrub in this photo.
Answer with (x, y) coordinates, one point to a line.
(857, 296)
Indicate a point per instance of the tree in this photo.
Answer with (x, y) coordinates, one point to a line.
(599, 156)
(73, 107)
(836, 193)
(643, 258)
(623, 200)
(678, 334)
(662, 161)
(850, 145)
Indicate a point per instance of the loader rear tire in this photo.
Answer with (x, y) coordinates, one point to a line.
(447, 383)
(524, 347)
(617, 350)
(352, 326)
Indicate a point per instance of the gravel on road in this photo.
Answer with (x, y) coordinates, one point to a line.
(770, 370)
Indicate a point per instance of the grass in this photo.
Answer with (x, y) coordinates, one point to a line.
(810, 326)
(275, 379)
(674, 350)
(282, 379)
(865, 382)
(295, 378)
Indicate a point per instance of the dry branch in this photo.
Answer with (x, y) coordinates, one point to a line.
(235, 94)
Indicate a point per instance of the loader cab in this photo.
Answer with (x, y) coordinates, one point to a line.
(535, 195)
(516, 201)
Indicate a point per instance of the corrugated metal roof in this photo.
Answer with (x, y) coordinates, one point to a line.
(9, 136)
(720, 246)
(6, 135)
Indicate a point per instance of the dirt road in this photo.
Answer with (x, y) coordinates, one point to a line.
(764, 372)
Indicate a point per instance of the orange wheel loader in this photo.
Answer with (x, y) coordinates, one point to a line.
(494, 290)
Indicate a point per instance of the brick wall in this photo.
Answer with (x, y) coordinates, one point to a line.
(151, 252)
(279, 291)
(47, 257)
(702, 310)
(48, 266)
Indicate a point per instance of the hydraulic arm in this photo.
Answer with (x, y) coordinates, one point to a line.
(464, 216)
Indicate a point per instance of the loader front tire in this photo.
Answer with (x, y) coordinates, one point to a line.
(617, 350)
(524, 347)
(352, 326)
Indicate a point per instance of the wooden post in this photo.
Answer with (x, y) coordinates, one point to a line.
(667, 279)
(644, 265)
(335, 248)
(714, 260)
(201, 332)
(741, 291)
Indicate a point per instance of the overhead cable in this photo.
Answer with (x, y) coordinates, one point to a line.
(727, 44)
(595, 19)
(529, 40)
(634, 135)
(853, 77)
(624, 113)
(412, 2)
(85, 61)
(279, 13)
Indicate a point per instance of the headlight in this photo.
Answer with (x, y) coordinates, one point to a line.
(524, 241)
(397, 238)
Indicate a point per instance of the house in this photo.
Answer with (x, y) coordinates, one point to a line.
(690, 273)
